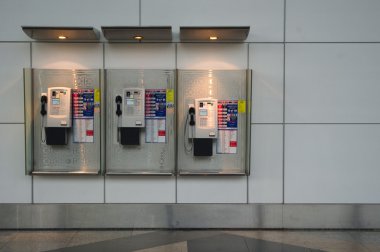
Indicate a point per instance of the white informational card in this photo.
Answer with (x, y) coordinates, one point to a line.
(227, 127)
(83, 130)
(155, 130)
(227, 142)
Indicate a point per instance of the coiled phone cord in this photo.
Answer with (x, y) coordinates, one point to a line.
(188, 148)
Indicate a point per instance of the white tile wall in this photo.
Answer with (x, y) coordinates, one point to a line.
(212, 189)
(67, 55)
(140, 189)
(68, 189)
(140, 56)
(264, 16)
(267, 62)
(212, 56)
(15, 186)
(265, 182)
(332, 163)
(13, 58)
(332, 83)
(15, 14)
(332, 20)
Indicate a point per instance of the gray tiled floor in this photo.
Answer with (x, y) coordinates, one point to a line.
(183, 241)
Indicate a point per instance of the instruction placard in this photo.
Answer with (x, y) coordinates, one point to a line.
(227, 126)
(83, 115)
(155, 115)
(170, 98)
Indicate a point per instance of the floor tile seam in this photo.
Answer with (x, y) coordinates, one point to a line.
(246, 244)
(71, 238)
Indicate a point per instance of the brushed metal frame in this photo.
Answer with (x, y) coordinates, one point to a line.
(190, 216)
(28, 125)
(29, 135)
(248, 125)
(48, 173)
(247, 171)
(134, 173)
(102, 122)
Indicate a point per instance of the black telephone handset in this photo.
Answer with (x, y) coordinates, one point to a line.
(192, 113)
(43, 105)
(118, 101)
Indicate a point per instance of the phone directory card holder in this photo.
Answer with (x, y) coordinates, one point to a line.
(227, 127)
(155, 115)
(83, 115)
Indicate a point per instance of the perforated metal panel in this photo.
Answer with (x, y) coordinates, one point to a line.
(146, 158)
(222, 85)
(73, 158)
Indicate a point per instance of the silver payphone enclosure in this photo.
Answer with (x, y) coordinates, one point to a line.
(227, 86)
(79, 157)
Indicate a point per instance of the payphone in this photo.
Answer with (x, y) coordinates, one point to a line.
(130, 107)
(202, 126)
(56, 106)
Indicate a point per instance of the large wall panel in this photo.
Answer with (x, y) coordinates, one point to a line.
(332, 20)
(15, 186)
(332, 83)
(265, 182)
(332, 163)
(212, 56)
(68, 189)
(17, 13)
(212, 189)
(67, 55)
(267, 63)
(13, 58)
(140, 56)
(266, 17)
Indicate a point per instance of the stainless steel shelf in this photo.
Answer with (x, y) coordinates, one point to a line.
(138, 33)
(214, 34)
(62, 34)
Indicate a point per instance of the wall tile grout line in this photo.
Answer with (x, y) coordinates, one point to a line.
(283, 108)
(31, 66)
(139, 12)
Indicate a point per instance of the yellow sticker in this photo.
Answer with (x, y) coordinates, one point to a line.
(97, 95)
(170, 95)
(241, 106)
